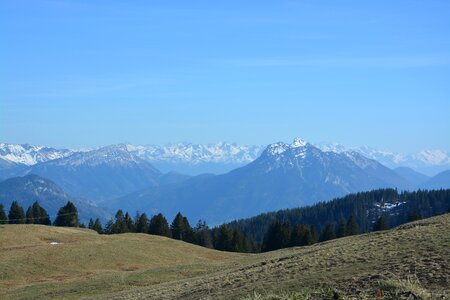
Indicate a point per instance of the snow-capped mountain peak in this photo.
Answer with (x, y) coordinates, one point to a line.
(296, 146)
(221, 152)
(298, 142)
(112, 155)
(30, 154)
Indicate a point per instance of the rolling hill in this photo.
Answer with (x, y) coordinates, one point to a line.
(43, 262)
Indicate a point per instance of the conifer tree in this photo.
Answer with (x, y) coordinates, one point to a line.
(159, 226)
(352, 226)
(341, 230)
(120, 224)
(97, 226)
(142, 224)
(3, 217)
(380, 224)
(239, 242)
(91, 224)
(301, 235)
(30, 216)
(109, 227)
(37, 215)
(414, 216)
(327, 233)
(313, 235)
(16, 214)
(129, 223)
(43, 217)
(278, 236)
(67, 216)
(223, 238)
(181, 230)
(203, 235)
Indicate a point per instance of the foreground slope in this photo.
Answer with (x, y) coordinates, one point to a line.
(399, 261)
(86, 263)
(411, 258)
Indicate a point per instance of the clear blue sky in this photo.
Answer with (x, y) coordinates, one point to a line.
(89, 73)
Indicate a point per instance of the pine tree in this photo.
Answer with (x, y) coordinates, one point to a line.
(352, 226)
(142, 224)
(313, 235)
(129, 223)
(40, 214)
(97, 226)
(327, 233)
(109, 227)
(341, 230)
(91, 224)
(278, 236)
(37, 215)
(239, 242)
(30, 216)
(67, 216)
(223, 238)
(16, 214)
(203, 235)
(181, 230)
(120, 224)
(414, 216)
(380, 224)
(3, 217)
(301, 235)
(159, 226)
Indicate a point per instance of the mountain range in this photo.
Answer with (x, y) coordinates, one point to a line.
(194, 159)
(285, 175)
(280, 176)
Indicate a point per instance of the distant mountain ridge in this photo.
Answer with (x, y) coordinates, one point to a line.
(100, 174)
(429, 162)
(223, 157)
(439, 181)
(285, 175)
(29, 154)
(28, 189)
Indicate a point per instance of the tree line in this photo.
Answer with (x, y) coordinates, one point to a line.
(36, 214)
(221, 238)
(367, 211)
(353, 214)
(285, 234)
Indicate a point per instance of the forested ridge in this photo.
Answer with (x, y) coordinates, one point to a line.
(350, 215)
(365, 208)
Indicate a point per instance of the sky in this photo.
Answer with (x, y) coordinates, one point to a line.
(77, 73)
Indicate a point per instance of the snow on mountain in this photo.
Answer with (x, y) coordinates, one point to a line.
(283, 176)
(426, 161)
(196, 153)
(222, 157)
(30, 154)
(104, 173)
(112, 155)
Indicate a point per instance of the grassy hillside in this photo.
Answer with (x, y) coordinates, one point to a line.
(86, 263)
(412, 258)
